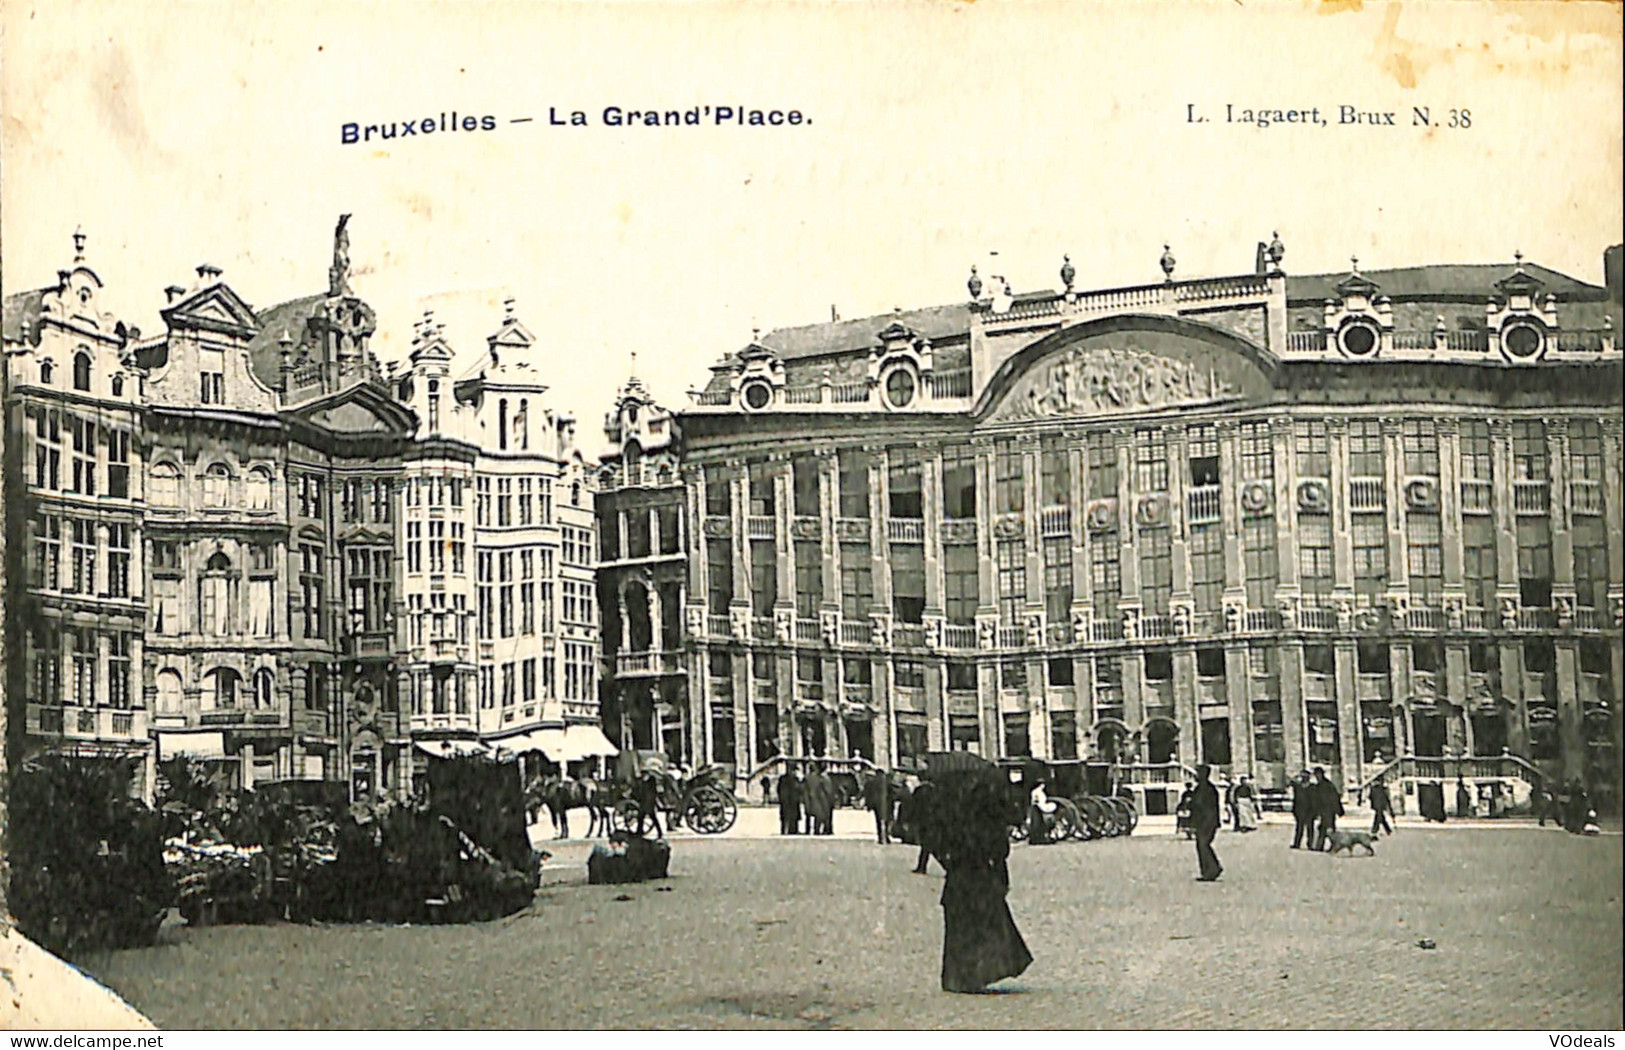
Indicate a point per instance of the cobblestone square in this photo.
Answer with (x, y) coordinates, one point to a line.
(836, 933)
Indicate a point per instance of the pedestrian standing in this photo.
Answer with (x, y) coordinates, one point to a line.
(819, 802)
(980, 942)
(1205, 824)
(1464, 798)
(1302, 810)
(1182, 811)
(1246, 805)
(1230, 804)
(1327, 807)
(1381, 809)
(790, 803)
(877, 796)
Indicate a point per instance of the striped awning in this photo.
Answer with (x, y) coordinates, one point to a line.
(192, 745)
(586, 742)
(452, 748)
(549, 742)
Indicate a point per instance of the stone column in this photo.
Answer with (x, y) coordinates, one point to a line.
(1571, 733)
(931, 510)
(1186, 712)
(1450, 517)
(987, 577)
(879, 538)
(1178, 518)
(1393, 485)
(783, 545)
(1338, 492)
(1294, 739)
(1286, 502)
(1346, 685)
(829, 508)
(1506, 520)
(1509, 653)
(1238, 682)
(1557, 444)
(1033, 527)
(1613, 466)
(1230, 515)
(1453, 698)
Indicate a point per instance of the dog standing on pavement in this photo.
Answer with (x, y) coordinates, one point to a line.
(1348, 838)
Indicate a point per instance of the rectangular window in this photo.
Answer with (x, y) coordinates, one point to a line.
(414, 547)
(350, 500)
(1055, 473)
(505, 594)
(1202, 451)
(118, 463)
(48, 450)
(1319, 659)
(1159, 665)
(1156, 570)
(908, 674)
(809, 578)
(381, 510)
(1529, 452)
(1365, 449)
(83, 555)
(857, 581)
(960, 595)
(1479, 570)
(84, 457)
(1060, 671)
(903, 483)
(1259, 561)
(1585, 450)
(1058, 579)
(1150, 461)
(958, 483)
(1420, 440)
(1312, 449)
(1535, 561)
(47, 664)
(527, 609)
(961, 676)
(1425, 554)
(761, 490)
(1013, 676)
(1590, 562)
(1012, 579)
(853, 466)
(1477, 451)
(1009, 478)
(504, 502)
(482, 502)
(118, 560)
(508, 691)
(1105, 575)
(484, 568)
(48, 551)
(908, 582)
(1260, 661)
(856, 670)
(437, 546)
(718, 498)
(764, 577)
(1268, 742)
(1257, 452)
(719, 574)
(527, 502)
(804, 483)
(118, 670)
(1102, 466)
(527, 680)
(637, 533)
(1207, 567)
(1369, 534)
(84, 666)
(1315, 554)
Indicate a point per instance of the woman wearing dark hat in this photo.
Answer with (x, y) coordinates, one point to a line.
(980, 942)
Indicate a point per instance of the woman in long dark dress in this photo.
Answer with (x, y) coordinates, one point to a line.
(980, 942)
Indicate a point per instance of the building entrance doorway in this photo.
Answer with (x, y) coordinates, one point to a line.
(1161, 742)
(1429, 735)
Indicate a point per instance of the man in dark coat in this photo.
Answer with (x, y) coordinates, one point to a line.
(1328, 806)
(1205, 823)
(790, 804)
(1381, 808)
(1302, 810)
(877, 796)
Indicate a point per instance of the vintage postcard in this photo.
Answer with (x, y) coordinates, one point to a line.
(811, 516)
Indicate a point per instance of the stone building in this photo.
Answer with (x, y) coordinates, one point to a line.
(1262, 521)
(76, 596)
(642, 573)
(535, 550)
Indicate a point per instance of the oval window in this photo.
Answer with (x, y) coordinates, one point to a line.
(900, 388)
(1522, 340)
(1359, 340)
(758, 395)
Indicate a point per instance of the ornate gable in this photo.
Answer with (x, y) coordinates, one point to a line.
(215, 309)
(360, 411)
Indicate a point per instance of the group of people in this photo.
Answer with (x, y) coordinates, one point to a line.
(812, 795)
(1570, 808)
(1316, 805)
(1240, 806)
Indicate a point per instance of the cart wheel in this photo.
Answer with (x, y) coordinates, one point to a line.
(1095, 820)
(1068, 821)
(710, 811)
(1124, 815)
(628, 817)
(1019, 832)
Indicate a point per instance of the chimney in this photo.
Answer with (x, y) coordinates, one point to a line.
(173, 292)
(207, 274)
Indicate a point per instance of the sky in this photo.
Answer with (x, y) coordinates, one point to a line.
(176, 134)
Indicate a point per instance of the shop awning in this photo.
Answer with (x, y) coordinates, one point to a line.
(587, 742)
(549, 742)
(452, 748)
(193, 745)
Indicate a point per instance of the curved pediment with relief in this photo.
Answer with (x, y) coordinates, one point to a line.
(1127, 366)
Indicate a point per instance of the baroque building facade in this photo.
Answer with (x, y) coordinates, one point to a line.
(246, 542)
(1263, 521)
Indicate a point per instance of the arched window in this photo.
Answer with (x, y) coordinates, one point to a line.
(575, 494)
(216, 485)
(45, 371)
(81, 371)
(502, 423)
(521, 423)
(220, 688)
(169, 692)
(118, 386)
(164, 485)
(434, 405)
(263, 681)
(259, 489)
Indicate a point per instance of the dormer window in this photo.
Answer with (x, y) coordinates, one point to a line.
(757, 396)
(900, 388)
(1358, 339)
(1522, 340)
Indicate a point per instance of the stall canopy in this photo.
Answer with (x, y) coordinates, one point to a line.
(550, 742)
(587, 742)
(193, 745)
(452, 748)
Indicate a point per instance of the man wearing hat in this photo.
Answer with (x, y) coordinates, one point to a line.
(1205, 823)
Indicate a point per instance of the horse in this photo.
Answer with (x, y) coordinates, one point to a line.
(562, 794)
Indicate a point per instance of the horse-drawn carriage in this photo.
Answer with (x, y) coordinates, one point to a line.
(1085, 805)
(702, 800)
